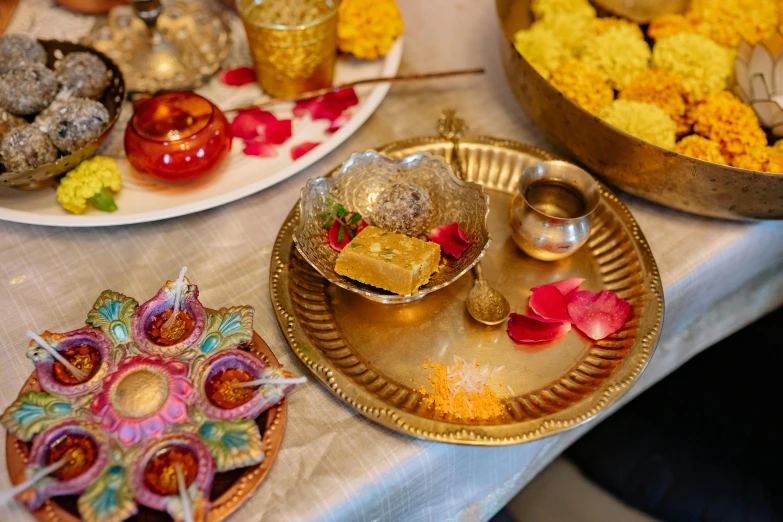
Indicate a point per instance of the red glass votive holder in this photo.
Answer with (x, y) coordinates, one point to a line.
(177, 138)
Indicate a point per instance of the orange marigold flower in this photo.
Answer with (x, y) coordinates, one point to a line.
(701, 148)
(754, 159)
(368, 28)
(668, 25)
(723, 118)
(728, 22)
(662, 89)
(583, 85)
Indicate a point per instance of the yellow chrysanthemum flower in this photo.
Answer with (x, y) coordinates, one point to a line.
(368, 28)
(643, 120)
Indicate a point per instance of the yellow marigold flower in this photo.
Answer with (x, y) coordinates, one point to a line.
(544, 8)
(582, 84)
(618, 54)
(662, 89)
(570, 28)
(600, 25)
(701, 148)
(542, 48)
(723, 118)
(643, 120)
(727, 22)
(668, 25)
(368, 28)
(778, 145)
(702, 65)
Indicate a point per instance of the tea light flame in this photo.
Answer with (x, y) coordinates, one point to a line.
(8, 495)
(177, 298)
(183, 493)
(76, 372)
(259, 382)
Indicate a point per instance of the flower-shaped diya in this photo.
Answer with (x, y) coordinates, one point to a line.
(156, 407)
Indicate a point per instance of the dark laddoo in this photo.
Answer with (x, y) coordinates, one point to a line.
(28, 89)
(82, 74)
(25, 147)
(16, 49)
(75, 123)
(404, 208)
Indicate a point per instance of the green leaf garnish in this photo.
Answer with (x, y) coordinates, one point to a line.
(341, 235)
(355, 217)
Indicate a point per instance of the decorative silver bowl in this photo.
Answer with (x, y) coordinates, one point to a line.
(356, 187)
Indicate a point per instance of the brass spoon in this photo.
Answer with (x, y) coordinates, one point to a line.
(485, 304)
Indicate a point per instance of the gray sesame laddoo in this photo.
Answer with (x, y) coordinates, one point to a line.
(82, 74)
(75, 123)
(8, 121)
(16, 49)
(403, 208)
(24, 148)
(28, 89)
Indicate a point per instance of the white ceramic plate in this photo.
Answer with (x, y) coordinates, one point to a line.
(140, 201)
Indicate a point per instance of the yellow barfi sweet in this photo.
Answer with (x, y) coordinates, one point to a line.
(390, 261)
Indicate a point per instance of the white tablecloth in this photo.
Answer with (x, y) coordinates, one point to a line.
(334, 464)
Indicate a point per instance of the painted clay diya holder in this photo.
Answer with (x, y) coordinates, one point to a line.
(157, 410)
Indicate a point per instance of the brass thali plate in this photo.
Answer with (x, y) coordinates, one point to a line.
(229, 490)
(370, 355)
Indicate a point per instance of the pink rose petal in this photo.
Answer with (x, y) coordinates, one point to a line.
(247, 123)
(239, 76)
(523, 328)
(276, 132)
(547, 302)
(451, 239)
(598, 314)
(566, 286)
(302, 107)
(260, 149)
(297, 151)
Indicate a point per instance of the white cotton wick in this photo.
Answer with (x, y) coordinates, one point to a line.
(7, 495)
(76, 372)
(259, 382)
(177, 298)
(183, 493)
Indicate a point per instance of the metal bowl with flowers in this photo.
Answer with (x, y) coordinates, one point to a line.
(356, 187)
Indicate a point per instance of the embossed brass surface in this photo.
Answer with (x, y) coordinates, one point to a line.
(236, 486)
(629, 163)
(369, 354)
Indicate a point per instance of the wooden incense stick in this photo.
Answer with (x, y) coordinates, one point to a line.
(367, 81)
(76, 372)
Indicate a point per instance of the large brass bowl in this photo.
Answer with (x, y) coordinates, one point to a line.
(629, 163)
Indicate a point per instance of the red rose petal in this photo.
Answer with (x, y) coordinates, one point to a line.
(247, 123)
(598, 314)
(238, 76)
(334, 232)
(275, 132)
(260, 148)
(329, 107)
(339, 122)
(566, 286)
(523, 328)
(297, 151)
(451, 239)
(547, 302)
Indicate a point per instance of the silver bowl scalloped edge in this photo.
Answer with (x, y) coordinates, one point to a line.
(358, 184)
